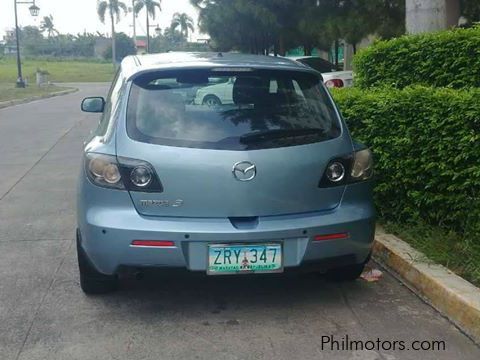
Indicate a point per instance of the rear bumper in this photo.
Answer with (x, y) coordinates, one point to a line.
(107, 231)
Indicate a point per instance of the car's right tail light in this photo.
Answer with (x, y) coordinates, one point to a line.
(362, 168)
(348, 169)
(334, 83)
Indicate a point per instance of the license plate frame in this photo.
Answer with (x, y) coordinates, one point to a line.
(242, 246)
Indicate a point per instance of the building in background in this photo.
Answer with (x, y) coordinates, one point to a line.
(8, 43)
(141, 44)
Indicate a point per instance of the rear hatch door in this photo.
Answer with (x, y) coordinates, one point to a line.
(261, 154)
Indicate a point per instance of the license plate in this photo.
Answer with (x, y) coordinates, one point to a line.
(237, 259)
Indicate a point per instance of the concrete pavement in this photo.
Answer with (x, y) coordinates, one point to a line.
(167, 315)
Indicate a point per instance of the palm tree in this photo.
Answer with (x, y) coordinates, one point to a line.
(114, 8)
(151, 8)
(184, 21)
(47, 26)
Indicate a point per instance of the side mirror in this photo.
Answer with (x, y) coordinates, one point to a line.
(93, 104)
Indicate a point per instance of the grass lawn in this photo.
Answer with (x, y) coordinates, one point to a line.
(59, 70)
(8, 91)
(461, 255)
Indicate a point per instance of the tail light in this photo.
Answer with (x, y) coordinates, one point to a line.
(334, 83)
(153, 243)
(122, 173)
(336, 236)
(335, 172)
(139, 175)
(103, 170)
(362, 168)
(348, 169)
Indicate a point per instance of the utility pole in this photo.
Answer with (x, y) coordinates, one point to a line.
(148, 30)
(134, 24)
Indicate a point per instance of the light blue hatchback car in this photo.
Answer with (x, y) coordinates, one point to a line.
(266, 181)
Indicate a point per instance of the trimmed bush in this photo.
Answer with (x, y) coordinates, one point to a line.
(426, 144)
(444, 59)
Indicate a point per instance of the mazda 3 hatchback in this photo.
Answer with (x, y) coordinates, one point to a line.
(267, 181)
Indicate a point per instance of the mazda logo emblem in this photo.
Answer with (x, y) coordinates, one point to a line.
(244, 171)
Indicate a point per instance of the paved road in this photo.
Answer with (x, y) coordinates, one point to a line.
(44, 314)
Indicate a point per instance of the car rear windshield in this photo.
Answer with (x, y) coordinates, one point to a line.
(239, 109)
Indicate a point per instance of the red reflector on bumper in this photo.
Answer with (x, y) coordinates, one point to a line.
(331, 236)
(157, 243)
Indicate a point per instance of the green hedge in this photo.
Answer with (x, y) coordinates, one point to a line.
(426, 144)
(444, 59)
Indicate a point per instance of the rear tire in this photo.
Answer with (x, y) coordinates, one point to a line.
(211, 100)
(92, 281)
(346, 273)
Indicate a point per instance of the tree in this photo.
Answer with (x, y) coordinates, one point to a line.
(174, 40)
(85, 44)
(47, 26)
(261, 26)
(471, 10)
(151, 9)
(255, 26)
(391, 14)
(32, 40)
(124, 46)
(114, 8)
(238, 24)
(183, 21)
(174, 37)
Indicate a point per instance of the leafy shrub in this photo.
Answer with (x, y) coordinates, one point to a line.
(444, 59)
(426, 144)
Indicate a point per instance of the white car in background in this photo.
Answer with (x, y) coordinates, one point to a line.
(218, 94)
(331, 76)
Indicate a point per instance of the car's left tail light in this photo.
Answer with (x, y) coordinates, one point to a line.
(103, 170)
(121, 173)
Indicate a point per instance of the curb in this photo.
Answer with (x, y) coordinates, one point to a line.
(8, 103)
(448, 293)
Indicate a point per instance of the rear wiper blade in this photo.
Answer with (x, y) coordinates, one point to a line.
(257, 136)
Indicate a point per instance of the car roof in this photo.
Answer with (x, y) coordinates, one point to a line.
(138, 64)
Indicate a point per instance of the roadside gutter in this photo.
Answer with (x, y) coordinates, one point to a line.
(454, 297)
(8, 103)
